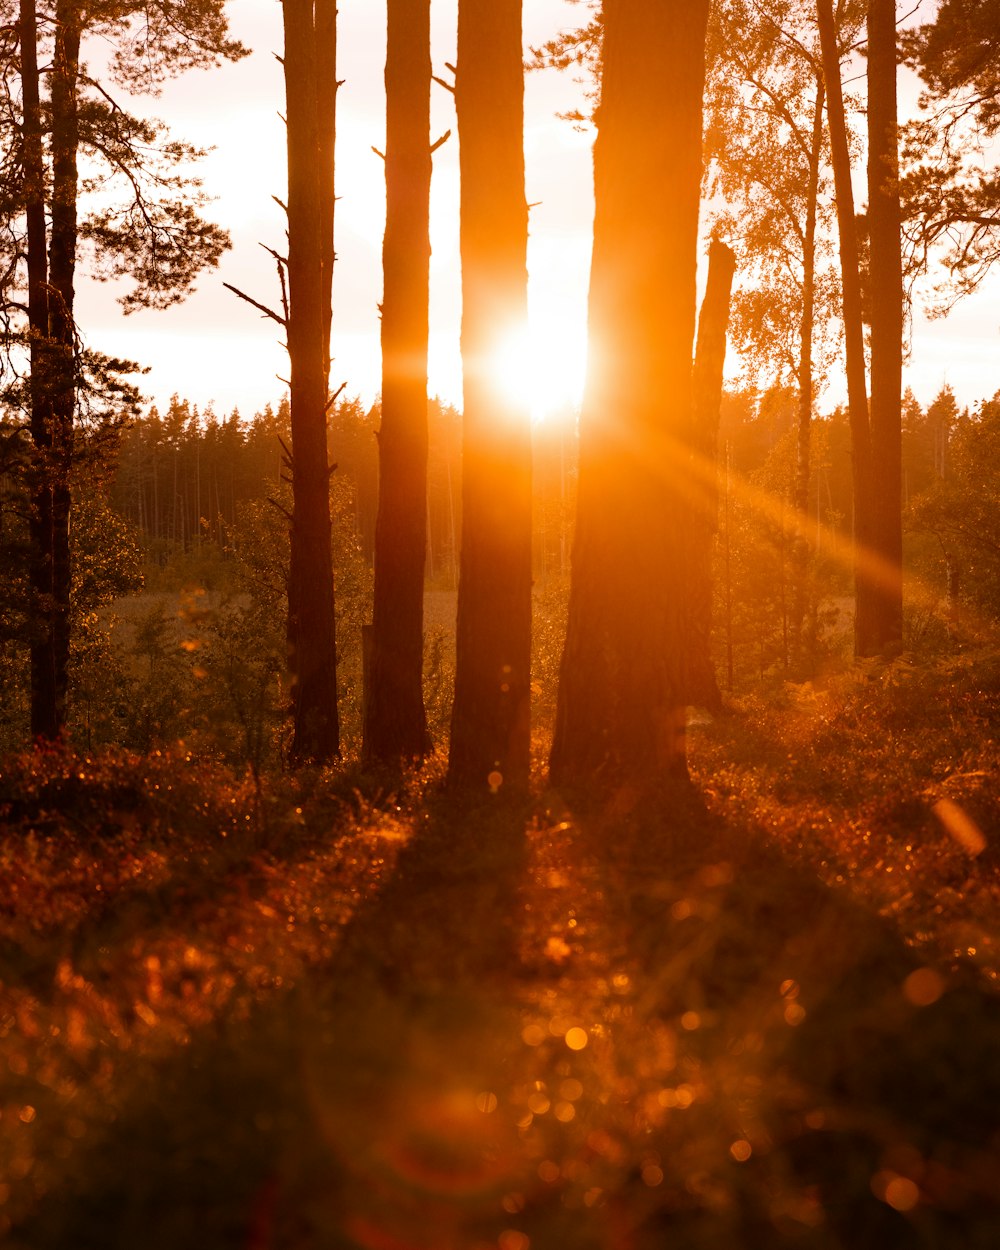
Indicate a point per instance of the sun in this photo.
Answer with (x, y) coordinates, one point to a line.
(541, 365)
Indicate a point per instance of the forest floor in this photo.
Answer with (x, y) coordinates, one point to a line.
(315, 1014)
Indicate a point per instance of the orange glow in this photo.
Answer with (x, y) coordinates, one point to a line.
(539, 367)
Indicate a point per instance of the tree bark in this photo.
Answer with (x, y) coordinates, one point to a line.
(803, 445)
(395, 721)
(46, 710)
(621, 702)
(325, 18)
(709, 364)
(62, 323)
(866, 606)
(490, 727)
(311, 627)
(886, 319)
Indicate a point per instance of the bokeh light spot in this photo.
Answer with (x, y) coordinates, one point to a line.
(533, 1035)
(923, 987)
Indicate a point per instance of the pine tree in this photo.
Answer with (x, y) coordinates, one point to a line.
(490, 727)
(395, 721)
(622, 690)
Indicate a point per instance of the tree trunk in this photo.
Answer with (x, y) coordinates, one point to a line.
(325, 17)
(62, 324)
(46, 709)
(886, 320)
(395, 722)
(621, 703)
(866, 608)
(709, 363)
(490, 727)
(803, 446)
(312, 646)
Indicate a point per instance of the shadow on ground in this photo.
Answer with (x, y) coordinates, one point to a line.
(555, 1031)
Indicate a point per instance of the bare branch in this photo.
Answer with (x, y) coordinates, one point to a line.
(263, 308)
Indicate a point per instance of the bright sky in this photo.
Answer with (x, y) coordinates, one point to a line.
(217, 349)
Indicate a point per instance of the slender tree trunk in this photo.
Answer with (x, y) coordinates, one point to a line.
(621, 704)
(62, 324)
(866, 605)
(803, 446)
(886, 319)
(490, 727)
(46, 711)
(709, 364)
(325, 18)
(312, 647)
(395, 721)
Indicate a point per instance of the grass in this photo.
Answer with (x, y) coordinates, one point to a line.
(297, 1016)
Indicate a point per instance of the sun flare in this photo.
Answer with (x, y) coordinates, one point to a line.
(541, 366)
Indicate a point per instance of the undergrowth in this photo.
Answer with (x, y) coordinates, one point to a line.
(341, 1011)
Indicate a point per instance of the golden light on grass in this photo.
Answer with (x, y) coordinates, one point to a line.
(741, 1150)
(576, 1038)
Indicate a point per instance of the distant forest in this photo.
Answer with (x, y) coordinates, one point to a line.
(191, 501)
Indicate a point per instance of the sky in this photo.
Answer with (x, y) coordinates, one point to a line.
(215, 349)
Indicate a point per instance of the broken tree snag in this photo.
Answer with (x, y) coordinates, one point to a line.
(709, 364)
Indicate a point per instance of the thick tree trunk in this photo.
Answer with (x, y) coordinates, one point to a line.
(395, 722)
(866, 604)
(709, 365)
(490, 728)
(46, 708)
(803, 445)
(312, 646)
(886, 319)
(621, 703)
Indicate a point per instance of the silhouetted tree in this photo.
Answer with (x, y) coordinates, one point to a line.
(310, 94)
(886, 269)
(153, 234)
(395, 722)
(866, 632)
(490, 728)
(709, 364)
(622, 691)
(951, 186)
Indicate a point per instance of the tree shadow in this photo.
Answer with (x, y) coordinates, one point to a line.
(547, 1030)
